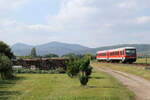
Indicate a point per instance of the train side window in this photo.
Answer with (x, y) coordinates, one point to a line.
(116, 53)
(120, 52)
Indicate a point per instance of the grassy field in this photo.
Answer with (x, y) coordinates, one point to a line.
(132, 69)
(60, 87)
(143, 60)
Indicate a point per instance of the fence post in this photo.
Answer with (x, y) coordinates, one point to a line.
(146, 59)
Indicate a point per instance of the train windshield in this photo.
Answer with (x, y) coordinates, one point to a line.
(130, 52)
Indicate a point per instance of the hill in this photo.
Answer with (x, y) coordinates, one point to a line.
(59, 48)
(141, 48)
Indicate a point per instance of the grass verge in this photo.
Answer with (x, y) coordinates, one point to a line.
(101, 86)
(132, 69)
(143, 60)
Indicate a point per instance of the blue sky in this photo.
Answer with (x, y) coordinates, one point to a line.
(92, 23)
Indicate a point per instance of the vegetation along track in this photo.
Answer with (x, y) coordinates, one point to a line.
(136, 64)
(138, 85)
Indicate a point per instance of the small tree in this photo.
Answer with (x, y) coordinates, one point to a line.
(5, 67)
(33, 53)
(85, 71)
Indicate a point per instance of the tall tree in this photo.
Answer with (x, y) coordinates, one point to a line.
(5, 49)
(33, 53)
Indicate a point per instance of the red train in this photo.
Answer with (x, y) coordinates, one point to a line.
(125, 55)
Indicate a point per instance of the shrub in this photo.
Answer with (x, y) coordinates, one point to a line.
(38, 71)
(5, 67)
(82, 66)
(83, 79)
(89, 71)
(86, 71)
(60, 70)
(73, 68)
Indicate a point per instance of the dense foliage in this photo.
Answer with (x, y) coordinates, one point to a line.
(85, 70)
(73, 56)
(50, 55)
(5, 67)
(80, 67)
(5, 62)
(38, 71)
(5, 49)
(73, 68)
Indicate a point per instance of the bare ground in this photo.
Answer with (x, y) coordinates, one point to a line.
(138, 85)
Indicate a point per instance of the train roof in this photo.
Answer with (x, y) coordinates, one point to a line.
(127, 48)
(116, 49)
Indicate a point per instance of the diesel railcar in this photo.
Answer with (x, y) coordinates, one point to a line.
(125, 55)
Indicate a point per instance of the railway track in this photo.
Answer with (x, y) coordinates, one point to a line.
(136, 64)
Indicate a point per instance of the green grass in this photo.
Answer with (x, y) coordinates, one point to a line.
(143, 60)
(132, 69)
(60, 87)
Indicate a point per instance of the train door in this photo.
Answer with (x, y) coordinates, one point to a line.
(123, 55)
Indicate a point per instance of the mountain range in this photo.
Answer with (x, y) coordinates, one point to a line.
(60, 49)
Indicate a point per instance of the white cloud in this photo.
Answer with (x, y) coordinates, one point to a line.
(130, 4)
(73, 13)
(40, 27)
(7, 22)
(143, 19)
(11, 4)
(89, 22)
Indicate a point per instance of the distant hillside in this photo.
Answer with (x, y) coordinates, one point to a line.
(141, 48)
(58, 48)
(21, 49)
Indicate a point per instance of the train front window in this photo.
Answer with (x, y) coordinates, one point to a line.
(131, 52)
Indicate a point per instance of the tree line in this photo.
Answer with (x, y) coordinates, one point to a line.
(33, 54)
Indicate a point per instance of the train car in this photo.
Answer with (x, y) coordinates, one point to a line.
(125, 55)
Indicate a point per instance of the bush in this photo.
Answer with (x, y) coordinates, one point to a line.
(83, 79)
(60, 70)
(5, 67)
(37, 71)
(89, 71)
(82, 66)
(73, 68)
(86, 70)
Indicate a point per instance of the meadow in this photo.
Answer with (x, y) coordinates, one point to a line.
(101, 86)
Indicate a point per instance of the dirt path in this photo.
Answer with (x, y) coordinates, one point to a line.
(138, 85)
